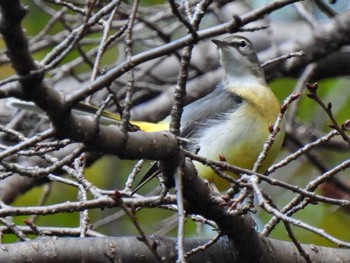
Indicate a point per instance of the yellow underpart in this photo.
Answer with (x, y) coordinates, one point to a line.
(242, 139)
(152, 127)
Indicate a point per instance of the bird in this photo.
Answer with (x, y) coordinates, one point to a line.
(232, 121)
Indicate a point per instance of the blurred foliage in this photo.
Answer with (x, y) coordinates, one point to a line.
(150, 2)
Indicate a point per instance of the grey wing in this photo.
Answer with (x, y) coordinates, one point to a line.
(208, 109)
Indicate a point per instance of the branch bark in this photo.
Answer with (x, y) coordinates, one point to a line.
(129, 249)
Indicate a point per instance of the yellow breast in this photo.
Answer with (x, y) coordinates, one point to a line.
(240, 137)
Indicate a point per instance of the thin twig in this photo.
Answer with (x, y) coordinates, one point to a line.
(79, 165)
(297, 244)
(205, 246)
(14, 229)
(102, 46)
(284, 57)
(181, 216)
(274, 130)
(128, 50)
(306, 148)
(312, 186)
(183, 20)
(143, 237)
(268, 208)
(136, 169)
(328, 109)
(25, 143)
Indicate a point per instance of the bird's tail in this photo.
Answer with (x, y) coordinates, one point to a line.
(150, 174)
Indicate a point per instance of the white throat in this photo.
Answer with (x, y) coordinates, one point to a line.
(244, 80)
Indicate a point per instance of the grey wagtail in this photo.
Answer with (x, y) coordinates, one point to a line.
(232, 121)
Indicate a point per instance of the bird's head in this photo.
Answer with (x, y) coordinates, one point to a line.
(238, 58)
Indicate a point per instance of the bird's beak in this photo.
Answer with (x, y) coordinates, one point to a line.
(219, 43)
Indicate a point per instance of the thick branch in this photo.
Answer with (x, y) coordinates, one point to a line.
(130, 249)
(12, 12)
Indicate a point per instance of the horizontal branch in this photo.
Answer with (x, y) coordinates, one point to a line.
(130, 249)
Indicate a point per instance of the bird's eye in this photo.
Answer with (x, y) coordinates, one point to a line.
(242, 43)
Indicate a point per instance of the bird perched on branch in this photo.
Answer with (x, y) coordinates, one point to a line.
(233, 121)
